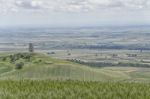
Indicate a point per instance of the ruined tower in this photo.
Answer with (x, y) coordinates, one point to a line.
(31, 48)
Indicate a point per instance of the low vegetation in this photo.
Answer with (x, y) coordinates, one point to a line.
(107, 64)
(37, 76)
(40, 66)
(19, 65)
(46, 89)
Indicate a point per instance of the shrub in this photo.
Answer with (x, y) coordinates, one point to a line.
(12, 58)
(51, 53)
(4, 59)
(69, 54)
(37, 61)
(19, 65)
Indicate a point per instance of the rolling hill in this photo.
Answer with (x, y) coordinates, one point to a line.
(40, 67)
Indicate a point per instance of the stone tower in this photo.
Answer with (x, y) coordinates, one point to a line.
(31, 48)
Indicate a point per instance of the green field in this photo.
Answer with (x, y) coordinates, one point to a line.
(50, 68)
(44, 77)
(41, 66)
(47, 89)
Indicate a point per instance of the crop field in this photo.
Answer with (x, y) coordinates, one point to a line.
(105, 55)
(47, 89)
(126, 38)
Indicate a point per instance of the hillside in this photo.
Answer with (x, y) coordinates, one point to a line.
(44, 67)
(40, 66)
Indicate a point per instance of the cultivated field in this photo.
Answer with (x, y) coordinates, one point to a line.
(46, 89)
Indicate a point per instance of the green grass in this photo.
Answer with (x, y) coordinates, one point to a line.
(50, 68)
(52, 78)
(47, 89)
(56, 69)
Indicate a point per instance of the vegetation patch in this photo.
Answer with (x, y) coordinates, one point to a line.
(47, 89)
(107, 64)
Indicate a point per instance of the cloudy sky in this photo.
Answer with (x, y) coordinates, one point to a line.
(53, 13)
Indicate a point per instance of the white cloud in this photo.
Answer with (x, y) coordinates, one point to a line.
(32, 4)
(69, 5)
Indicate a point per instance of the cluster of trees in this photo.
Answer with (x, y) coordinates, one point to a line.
(132, 55)
(141, 48)
(18, 56)
(14, 59)
(107, 64)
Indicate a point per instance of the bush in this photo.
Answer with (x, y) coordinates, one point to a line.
(19, 65)
(51, 53)
(4, 59)
(12, 58)
(69, 54)
(37, 61)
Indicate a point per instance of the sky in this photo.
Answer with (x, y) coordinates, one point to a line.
(65, 13)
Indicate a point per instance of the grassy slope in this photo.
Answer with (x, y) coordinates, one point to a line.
(28, 89)
(51, 68)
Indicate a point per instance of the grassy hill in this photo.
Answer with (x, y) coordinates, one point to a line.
(44, 67)
(40, 66)
(37, 76)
